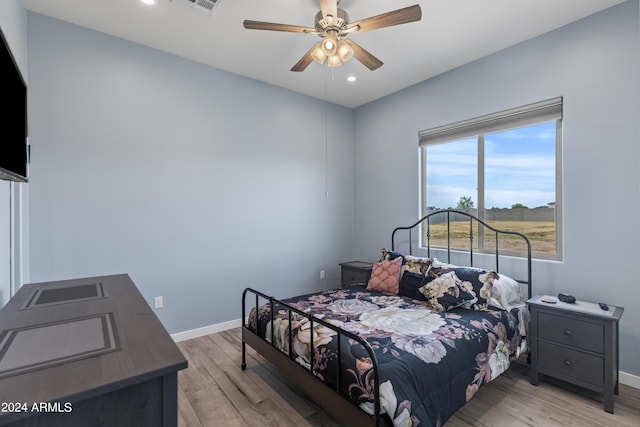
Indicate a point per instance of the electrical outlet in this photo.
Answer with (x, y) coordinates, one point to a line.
(321, 274)
(157, 302)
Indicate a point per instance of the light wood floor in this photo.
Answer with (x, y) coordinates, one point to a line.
(214, 391)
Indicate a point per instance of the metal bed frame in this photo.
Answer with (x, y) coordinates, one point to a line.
(330, 398)
(448, 213)
(327, 397)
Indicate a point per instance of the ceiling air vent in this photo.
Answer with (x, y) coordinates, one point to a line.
(202, 6)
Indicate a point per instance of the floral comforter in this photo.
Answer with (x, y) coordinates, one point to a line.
(430, 363)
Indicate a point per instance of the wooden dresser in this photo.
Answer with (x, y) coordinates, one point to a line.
(86, 352)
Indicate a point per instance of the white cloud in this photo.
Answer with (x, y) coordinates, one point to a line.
(520, 167)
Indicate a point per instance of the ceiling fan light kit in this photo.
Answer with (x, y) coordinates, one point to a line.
(317, 53)
(333, 26)
(330, 43)
(334, 61)
(345, 52)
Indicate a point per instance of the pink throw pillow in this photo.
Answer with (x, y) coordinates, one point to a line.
(385, 276)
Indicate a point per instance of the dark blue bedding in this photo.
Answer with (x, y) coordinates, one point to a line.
(430, 362)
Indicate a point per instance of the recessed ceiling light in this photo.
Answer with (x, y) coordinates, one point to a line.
(351, 79)
(149, 2)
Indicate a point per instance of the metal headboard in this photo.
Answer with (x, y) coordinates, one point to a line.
(449, 212)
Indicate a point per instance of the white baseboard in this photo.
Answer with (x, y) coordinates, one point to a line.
(630, 380)
(206, 330)
(625, 378)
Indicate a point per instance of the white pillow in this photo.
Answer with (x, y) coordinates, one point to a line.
(505, 293)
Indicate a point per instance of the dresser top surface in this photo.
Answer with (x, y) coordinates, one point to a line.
(580, 307)
(84, 313)
(357, 264)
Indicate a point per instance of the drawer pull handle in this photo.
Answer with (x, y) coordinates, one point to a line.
(568, 362)
(568, 332)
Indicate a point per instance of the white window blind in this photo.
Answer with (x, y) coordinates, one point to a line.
(542, 111)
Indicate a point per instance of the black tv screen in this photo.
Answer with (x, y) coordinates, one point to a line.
(14, 155)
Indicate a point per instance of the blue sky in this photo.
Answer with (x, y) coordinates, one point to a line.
(519, 168)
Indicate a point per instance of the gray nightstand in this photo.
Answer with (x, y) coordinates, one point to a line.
(576, 343)
(354, 272)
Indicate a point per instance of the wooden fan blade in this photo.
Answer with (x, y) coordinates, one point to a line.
(364, 56)
(305, 60)
(329, 7)
(270, 26)
(396, 17)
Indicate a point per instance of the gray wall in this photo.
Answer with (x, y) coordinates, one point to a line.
(594, 65)
(194, 181)
(13, 21)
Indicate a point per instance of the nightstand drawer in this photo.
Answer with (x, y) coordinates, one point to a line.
(350, 277)
(576, 333)
(354, 272)
(565, 361)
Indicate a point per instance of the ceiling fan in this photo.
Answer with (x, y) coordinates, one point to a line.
(333, 26)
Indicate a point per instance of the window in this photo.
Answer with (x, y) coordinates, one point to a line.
(506, 169)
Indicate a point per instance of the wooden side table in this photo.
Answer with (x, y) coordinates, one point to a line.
(354, 272)
(576, 343)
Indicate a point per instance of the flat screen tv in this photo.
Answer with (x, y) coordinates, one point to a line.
(14, 156)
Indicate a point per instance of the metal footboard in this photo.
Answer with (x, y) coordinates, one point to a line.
(333, 399)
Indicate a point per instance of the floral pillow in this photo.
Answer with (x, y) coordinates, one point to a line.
(480, 280)
(410, 263)
(416, 264)
(446, 291)
(388, 255)
(385, 276)
(491, 288)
